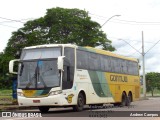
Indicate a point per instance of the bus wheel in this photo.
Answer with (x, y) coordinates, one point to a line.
(129, 99)
(124, 99)
(80, 103)
(43, 109)
(116, 104)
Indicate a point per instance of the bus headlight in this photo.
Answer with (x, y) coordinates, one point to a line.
(55, 92)
(20, 94)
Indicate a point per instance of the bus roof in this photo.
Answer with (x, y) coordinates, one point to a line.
(91, 49)
(50, 45)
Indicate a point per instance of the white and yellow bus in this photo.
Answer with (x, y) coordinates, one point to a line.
(68, 75)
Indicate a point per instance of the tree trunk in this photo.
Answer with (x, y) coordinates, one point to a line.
(152, 92)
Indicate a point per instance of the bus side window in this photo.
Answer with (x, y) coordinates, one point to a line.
(68, 73)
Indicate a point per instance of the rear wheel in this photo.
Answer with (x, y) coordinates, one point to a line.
(116, 104)
(124, 99)
(129, 99)
(43, 109)
(80, 103)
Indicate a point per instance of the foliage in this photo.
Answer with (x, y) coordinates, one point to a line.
(59, 25)
(152, 81)
(5, 82)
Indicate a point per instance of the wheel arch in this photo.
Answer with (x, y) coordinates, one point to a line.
(124, 92)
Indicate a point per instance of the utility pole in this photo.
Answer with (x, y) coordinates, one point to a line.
(143, 62)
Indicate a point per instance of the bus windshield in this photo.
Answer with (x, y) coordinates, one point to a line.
(38, 68)
(38, 74)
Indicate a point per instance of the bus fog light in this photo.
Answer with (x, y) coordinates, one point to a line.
(55, 92)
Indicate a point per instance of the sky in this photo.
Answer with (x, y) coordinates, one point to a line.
(125, 30)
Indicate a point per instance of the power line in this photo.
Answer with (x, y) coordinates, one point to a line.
(143, 53)
(11, 20)
(131, 54)
(7, 26)
(131, 22)
(138, 22)
(135, 23)
(133, 40)
(130, 45)
(152, 47)
(98, 16)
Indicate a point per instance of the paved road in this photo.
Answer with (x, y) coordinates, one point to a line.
(146, 107)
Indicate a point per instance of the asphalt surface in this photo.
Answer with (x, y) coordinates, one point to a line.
(137, 111)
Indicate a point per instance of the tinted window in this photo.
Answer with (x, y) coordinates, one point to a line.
(40, 53)
(105, 63)
(94, 61)
(69, 64)
(82, 60)
(69, 56)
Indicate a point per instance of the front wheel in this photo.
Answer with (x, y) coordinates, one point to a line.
(80, 103)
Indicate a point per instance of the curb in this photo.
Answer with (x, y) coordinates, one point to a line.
(15, 107)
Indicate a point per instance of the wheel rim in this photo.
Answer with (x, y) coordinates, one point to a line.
(80, 101)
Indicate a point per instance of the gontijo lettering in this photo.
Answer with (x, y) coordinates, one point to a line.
(118, 78)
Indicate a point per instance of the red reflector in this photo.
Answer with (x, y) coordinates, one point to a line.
(36, 101)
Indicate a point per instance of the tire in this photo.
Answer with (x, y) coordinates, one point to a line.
(43, 109)
(117, 104)
(129, 100)
(124, 100)
(80, 103)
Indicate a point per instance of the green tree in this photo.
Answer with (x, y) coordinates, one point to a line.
(59, 25)
(5, 82)
(152, 81)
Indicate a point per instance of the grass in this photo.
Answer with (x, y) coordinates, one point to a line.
(5, 96)
(156, 93)
(6, 99)
(4, 92)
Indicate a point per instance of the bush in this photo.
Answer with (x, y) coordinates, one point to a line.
(5, 83)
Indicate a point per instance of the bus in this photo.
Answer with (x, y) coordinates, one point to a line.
(66, 75)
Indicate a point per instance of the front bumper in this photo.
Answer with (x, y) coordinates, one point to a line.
(56, 100)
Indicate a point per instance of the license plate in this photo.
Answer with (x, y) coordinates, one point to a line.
(36, 101)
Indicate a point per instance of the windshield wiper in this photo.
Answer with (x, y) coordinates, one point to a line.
(32, 78)
(30, 81)
(37, 78)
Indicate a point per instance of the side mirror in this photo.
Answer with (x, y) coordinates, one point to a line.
(60, 62)
(11, 66)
